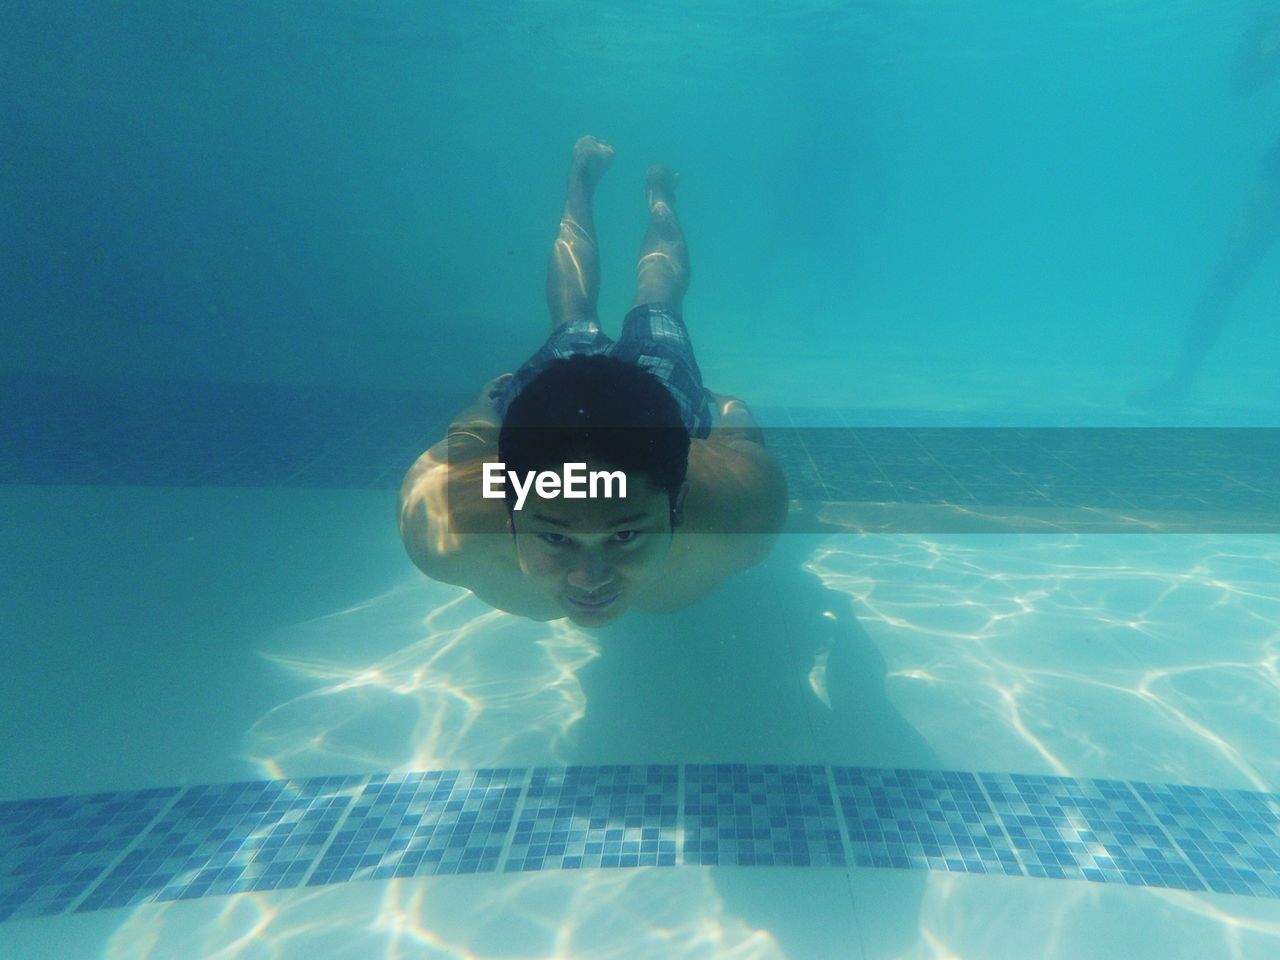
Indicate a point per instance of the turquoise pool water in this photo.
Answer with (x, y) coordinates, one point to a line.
(1006, 687)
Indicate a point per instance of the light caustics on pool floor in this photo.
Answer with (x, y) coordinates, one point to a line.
(84, 853)
(298, 831)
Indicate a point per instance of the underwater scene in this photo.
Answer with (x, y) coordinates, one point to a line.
(617, 480)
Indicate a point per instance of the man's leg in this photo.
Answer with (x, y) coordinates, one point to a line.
(1254, 234)
(573, 275)
(662, 273)
(653, 334)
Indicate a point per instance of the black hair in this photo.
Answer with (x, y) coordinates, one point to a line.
(594, 408)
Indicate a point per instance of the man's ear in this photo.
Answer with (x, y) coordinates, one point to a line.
(677, 512)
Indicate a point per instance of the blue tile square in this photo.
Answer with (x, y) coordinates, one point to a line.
(1231, 837)
(53, 850)
(225, 838)
(1086, 830)
(922, 820)
(606, 816)
(413, 824)
(762, 815)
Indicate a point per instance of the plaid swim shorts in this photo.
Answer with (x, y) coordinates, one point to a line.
(653, 338)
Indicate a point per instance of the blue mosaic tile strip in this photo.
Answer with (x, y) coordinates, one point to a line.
(1231, 837)
(413, 824)
(611, 816)
(228, 838)
(1087, 830)
(64, 854)
(53, 850)
(760, 815)
(922, 820)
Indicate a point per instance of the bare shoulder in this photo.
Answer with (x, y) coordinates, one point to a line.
(736, 507)
(454, 535)
(736, 487)
(444, 523)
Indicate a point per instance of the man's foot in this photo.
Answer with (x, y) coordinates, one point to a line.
(660, 183)
(591, 158)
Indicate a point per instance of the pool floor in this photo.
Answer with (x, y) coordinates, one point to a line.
(184, 636)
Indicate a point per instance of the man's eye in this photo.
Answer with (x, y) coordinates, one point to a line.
(625, 536)
(555, 539)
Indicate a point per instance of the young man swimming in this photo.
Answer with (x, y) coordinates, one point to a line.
(703, 499)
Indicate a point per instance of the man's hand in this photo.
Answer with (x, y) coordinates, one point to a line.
(736, 420)
(721, 400)
(481, 419)
(495, 388)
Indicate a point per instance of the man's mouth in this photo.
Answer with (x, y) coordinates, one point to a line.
(593, 603)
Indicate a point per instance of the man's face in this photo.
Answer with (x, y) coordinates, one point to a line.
(591, 556)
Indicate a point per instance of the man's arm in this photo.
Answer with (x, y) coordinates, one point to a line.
(736, 421)
(440, 506)
(481, 420)
(748, 491)
(437, 514)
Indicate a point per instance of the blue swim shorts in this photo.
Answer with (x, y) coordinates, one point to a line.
(653, 338)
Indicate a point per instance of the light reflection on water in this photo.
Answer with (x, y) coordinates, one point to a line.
(475, 687)
(601, 914)
(1146, 658)
(1140, 657)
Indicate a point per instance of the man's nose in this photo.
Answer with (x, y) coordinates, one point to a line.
(591, 573)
